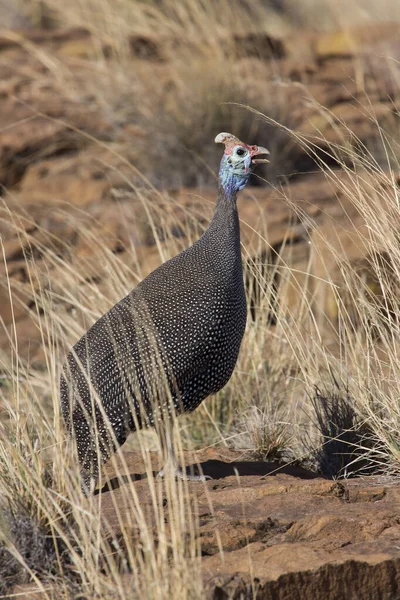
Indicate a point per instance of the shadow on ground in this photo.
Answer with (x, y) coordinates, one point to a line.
(218, 469)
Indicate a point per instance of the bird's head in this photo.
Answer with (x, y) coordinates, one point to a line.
(238, 161)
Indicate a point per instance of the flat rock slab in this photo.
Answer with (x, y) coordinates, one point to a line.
(279, 530)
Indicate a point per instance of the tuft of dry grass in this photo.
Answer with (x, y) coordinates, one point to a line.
(345, 436)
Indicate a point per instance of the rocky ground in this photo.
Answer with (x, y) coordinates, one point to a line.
(285, 533)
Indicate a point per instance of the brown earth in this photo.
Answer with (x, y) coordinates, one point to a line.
(271, 532)
(284, 532)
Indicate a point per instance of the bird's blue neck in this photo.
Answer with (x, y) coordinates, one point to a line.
(231, 181)
(224, 225)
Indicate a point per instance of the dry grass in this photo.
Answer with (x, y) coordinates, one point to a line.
(201, 23)
(49, 532)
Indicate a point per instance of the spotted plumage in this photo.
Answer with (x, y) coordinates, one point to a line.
(170, 343)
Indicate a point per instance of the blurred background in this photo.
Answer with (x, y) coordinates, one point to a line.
(167, 75)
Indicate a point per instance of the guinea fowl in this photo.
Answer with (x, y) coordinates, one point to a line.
(171, 342)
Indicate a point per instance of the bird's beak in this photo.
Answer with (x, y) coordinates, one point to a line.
(257, 151)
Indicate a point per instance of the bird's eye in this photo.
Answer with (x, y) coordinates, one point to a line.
(240, 151)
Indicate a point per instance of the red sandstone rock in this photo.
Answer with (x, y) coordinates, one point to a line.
(287, 533)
